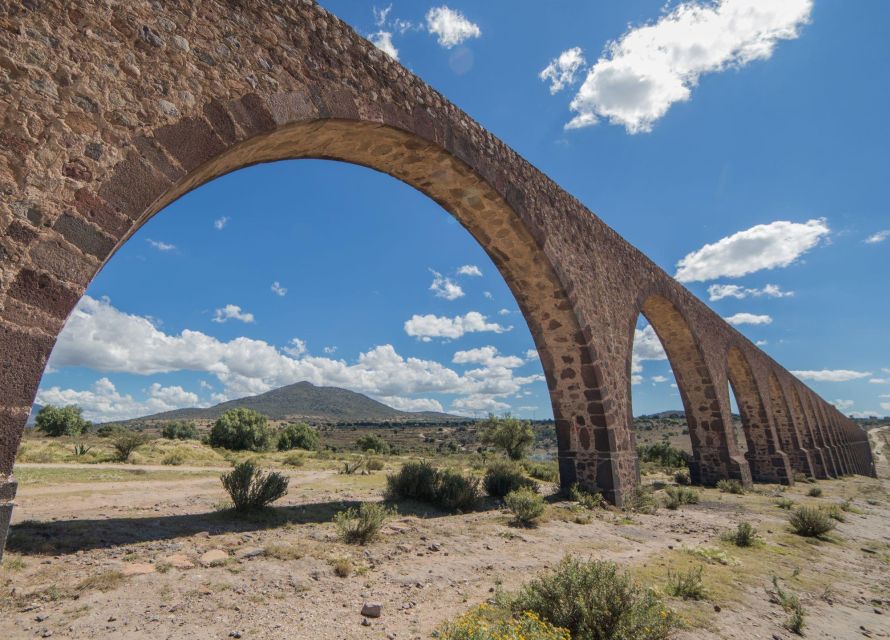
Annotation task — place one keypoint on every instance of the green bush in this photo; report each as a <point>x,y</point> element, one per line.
<point>587,499</point>
<point>126,442</point>
<point>815,492</point>
<point>792,606</point>
<point>731,486</point>
<point>663,454</point>
<point>375,464</point>
<point>361,525</point>
<point>525,504</point>
<point>241,429</point>
<point>676,496</point>
<point>179,430</point>
<point>423,482</point>
<point>250,488</point>
<point>593,600</point>
<point>298,435</point>
<point>641,500</point>
<point>810,522</point>
<point>682,478</point>
<point>512,436</point>
<point>478,625</point>
<point>785,503</point>
<point>686,584</point>
<point>543,471</point>
<point>456,492</point>
<point>108,430</point>
<point>61,421</point>
<point>294,460</point>
<point>503,477</point>
<point>835,512</point>
<point>174,458</point>
<point>373,442</point>
<point>744,535</point>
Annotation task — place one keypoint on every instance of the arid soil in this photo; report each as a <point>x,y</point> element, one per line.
<point>154,555</point>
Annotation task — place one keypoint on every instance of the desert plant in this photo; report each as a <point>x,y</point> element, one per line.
<point>81,449</point>
<point>686,584</point>
<point>477,625</point>
<point>810,522</point>
<point>179,430</point>
<point>250,488</point>
<point>503,477</point>
<point>731,486</point>
<point>61,421</point>
<point>512,436</point>
<point>455,491</point>
<point>298,435</point>
<point>815,492</point>
<point>682,477</point>
<point>375,464</point>
<point>241,429</point>
<point>174,458</point>
<point>663,454</point>
<point>126,442</point>
<point>342,566</point>
<point>587,499</point>
<point>351,467</point>
<point>676,496</point>
<point>294,460</point>
<point>525,504</point>
<point>594,600</point>
<point>445,488</point>
<point>834,512</point>
<point>791,604</point>
<point>372,442</point>
<point>784,503</point>
<point>361,525</point>
<point>744,535</point>
<point>641,500</point>
<point>544,471</point>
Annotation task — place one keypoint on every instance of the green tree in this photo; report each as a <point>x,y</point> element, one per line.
<point>180,430</point>
<point>298,436</point>
<point>61,421</point>
<point>241,429</point>
<point>372,442</point>
<point>511,435</point>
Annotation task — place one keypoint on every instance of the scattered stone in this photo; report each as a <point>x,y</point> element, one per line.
<point>213,557</point>
<point>180,43</point>
<point>168,108</point>
<point>234,634</point>
<point>250,552</point>
<point>41,617</point>
<point>372,609</point>
<point>366,622</point>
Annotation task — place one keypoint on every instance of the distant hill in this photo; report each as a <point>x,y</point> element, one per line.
<point>305,401</point>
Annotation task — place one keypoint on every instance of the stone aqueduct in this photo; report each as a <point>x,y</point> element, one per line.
<point>111,110</point>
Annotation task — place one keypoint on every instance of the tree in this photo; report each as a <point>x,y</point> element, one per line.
<point>298,436</point>
<point>241,429</point>
<point>61,421</point>
<point>513,436</point>
<point>126,442</point>
<point>373,443</point>
<point>180,430</point>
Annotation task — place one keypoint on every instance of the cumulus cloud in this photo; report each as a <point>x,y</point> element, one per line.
<point>160,246</point>
<point>885,406</point>
<point>880,236</point>
<point>232,312</point>
<point>445,287</point>
<point>879,380</point>
<point>487,356</point>
<point>383,41</point>
<point>450,26</point>
<point>412,404</point>
<point>651,67</point>
<point>504,312</point>
<point>764,246</point>
<point>761,343</point>
<point>832,375</point>
<point>475,404</point>
<point>532,354</point>
<point>488,295</point>
<point>843,405</point>
<point>431,326</point>
<point>469,270</point>
<point>646,346</point>
<point>330,350</point>
<point>278,290</point>
<point>100,337</point>
<point>659,379</point>
<point>103,402</point>
<point>720,291</point>
<point>563,70</point>
<point>748,318</point>
<point>220,223</point>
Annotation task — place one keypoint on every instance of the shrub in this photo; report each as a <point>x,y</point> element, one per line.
<point>544,471</point>
<point>375,464</point>
<point>174,458</point>
<point>512,436</point>
<point>587,499</point>
<point>641,500</point>
<point>731,486</point>
<point>676,496</point>
<point>686,584</point>
<point>815,492</point>
<point>525,504</point>
<point>455,491</point>
<point>503,477</point>
<point>810,522</point>
<point>241,429</point>
<point>475,625</point>
<point>179,430</point>
<point>445,488</point>
<point>663,454</point>
<point>593,600</point>
<point>294,460</point>
<point>342,566</point>
<point>126,442</point>
<point>682,478</point>
<point>250,488</point>
<point>791,604</point>
<point>785,503</point>
<point>61,421</point>
<point>744,535</point>
<point>108,430</point>
<point>361,525</point>
<point>372,442</point>
<point>834,512</point>
<point>298,435</point>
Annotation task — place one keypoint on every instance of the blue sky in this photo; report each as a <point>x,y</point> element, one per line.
<point>741,145</point>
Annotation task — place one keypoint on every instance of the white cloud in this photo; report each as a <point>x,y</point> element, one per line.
<point>885,406</point>
<point>761,343</point>
<point>748,318</point>
<point>330,350</point>
<point>659,379</point>
<point>232,312</point>
<point>383,41</point>
<point>469,270</point>
<point>843,405</point>
<point>531,354</point>
<point>720,291</point>
<point>278,290</point>
<point>380,15</point>
<point>160,246</point>
<point>884,395</point>
<point>220,223</point>
<point>474,404</point>
<point>880,236</point>
<point>411,404</point>
<point>104,402</point>
<point>450,26</point>
<point>504,312</point>
<point>445,287</point>
<point>488,295</point>
<point>832,375</point>
<point>487,356</point>
<point>562,71</point>
<point>653,66</point>
<point>100,337</point>
<point>764,246</point>
<point>432,326</point>
<point>205,385</point>
<point>879,381</point>
<point>646,346</point>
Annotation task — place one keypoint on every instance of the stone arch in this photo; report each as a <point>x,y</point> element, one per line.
<point>714,454</point>
<point>767,461</point>
<point>806,431</point>
<point>818,429</point>
<point>786,429</point>
<point>831,435</point>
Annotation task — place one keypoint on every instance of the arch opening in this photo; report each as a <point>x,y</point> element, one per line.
<point>787,430</point>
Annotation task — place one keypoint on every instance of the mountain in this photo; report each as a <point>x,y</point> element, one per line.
<point>305,401</point>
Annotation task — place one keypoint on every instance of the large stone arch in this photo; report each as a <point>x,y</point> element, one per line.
<point>805,429</point>
<point>818,426</point>
<point>789,437</point>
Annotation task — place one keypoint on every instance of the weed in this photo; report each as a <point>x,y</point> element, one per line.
<point>744,535</point>
<point>361,525</point>
<point>791,604</point>
<point>785,503</point>
<point>815,492</point>
<point>342,566</point>
<point>587,499</point>
<point>504,477</point>
<point>686,584</point>
<point>810,522</point>
<point>525,504</point>
<point>676,496</point>
<point>478,624</point>
<point>731,486</point>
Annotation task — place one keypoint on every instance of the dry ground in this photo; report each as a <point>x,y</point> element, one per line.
<point>104,551</point>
